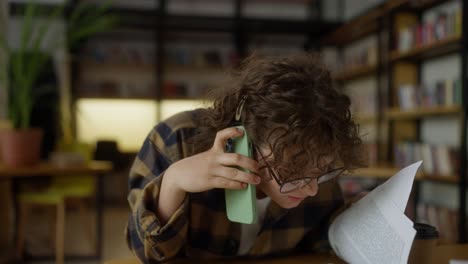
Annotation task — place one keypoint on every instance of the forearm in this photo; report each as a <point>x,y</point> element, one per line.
<point>170,197</point>
<point>147,236</point>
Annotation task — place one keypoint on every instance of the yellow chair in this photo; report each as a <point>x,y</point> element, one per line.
<point>122,261</point>
<point>61,189</point>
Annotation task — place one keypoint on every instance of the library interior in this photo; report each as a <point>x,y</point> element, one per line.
<point>87,88</point>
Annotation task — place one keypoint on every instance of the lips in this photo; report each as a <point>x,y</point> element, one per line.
<point>294,198</point>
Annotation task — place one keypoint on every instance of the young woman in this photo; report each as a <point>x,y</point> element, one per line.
<point>303,138</point>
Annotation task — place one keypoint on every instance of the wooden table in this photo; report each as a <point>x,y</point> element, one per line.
<point>98,168</point>
<point>441,255</point>
<point>444,253</point>
<point>306,259</point>
<point>48,169</point>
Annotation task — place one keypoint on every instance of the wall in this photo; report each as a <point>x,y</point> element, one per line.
<point>444,129</point>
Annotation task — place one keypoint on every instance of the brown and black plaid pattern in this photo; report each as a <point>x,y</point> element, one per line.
<point>200,228</point>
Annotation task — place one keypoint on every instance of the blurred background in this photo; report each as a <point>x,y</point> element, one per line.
<point>96,76</point>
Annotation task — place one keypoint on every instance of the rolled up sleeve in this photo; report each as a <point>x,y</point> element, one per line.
<point>146,236</point>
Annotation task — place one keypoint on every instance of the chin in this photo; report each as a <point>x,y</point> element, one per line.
<point>288,205</point>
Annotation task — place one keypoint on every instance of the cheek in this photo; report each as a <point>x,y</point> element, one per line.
<point>271,188</point>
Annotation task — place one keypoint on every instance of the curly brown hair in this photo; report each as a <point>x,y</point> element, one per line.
<point>293,108</point>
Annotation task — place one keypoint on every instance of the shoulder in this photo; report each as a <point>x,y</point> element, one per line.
<point>182,121</point>
<point>172,135</point>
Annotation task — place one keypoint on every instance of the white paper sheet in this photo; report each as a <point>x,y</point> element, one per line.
<point>456,261</point>
<point>375,229</point>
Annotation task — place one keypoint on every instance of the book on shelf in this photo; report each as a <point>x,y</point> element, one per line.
<point>172,88</point>
<point>190,57</point>
<point>117,88</point>
<point>443,218</point>
<point>439,160</point>
<point>442,25</point>
<point>428,95</point>
<point>362,56</point>
<point>407,96</point>
<point>364,102</point>
<point>119,53</point>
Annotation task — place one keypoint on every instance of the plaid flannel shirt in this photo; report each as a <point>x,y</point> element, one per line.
<point>199,228</point>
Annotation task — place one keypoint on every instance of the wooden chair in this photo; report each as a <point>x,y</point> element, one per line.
<point>123,261</point>
<point>77,188</point>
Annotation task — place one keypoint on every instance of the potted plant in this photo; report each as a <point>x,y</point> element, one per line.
<point>26,64</point>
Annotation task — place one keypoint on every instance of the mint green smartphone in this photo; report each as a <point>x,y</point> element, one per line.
<point>241,204</point>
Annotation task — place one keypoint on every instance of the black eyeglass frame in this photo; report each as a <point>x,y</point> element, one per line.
<point>306,180</point>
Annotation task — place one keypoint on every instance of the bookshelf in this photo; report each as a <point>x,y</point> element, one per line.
<point>398,114</point>
<point>385,172</point>
<point>354,73</point>
<point>437,48</point>
<point>416,35</point>
<point>365,118</point>
<point>171,65</point>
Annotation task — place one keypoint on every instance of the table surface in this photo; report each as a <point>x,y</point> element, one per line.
<point>441,255</point>
<point>307,259</point>
<point>46,168</point>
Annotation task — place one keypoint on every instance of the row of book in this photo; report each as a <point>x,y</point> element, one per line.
<point>441,93</point>
<point>117,89</point>
<point>371,150</point>
<point>363,102</point>
<point>351,186</point>
<point>200,57</point>
<point>141,89</point>
<point>438,160</point>
<point>364,56</point>
<point>185,89</point>
<point>120,53</point>
<point>438,27</point>
<point>444,219</point>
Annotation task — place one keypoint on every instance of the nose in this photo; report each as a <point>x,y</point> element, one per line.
<point>310,189</point>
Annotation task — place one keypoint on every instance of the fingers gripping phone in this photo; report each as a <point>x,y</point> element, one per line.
<point>241,204</point>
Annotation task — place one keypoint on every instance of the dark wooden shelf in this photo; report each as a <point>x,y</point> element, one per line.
<point>355,73</point>
<point>365,118</point>
<point>368,22</point>
<point>374,172</point>
<point>438,48</point>
<point>413,5</point>
<point>385,172</point>
<point>357,28</point>
<point>315,28</point>
<point>90,96</point>
<point>441,178</point>
<point>199,23</point>
<point>180,98</point>
<point>398,114</point>
<point>249,25</point>
<point>91,65</point>
<point>195,69</point>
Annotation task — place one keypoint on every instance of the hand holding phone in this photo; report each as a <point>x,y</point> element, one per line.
<point>241,204</point>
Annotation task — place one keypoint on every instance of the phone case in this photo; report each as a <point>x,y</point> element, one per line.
<point>241,204</point>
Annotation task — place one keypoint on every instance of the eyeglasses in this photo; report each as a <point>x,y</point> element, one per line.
<point>294,184</point>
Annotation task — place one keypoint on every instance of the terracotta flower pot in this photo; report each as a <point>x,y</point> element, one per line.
<point>21,147</point>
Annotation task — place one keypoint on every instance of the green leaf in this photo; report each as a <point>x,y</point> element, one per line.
<point>99,25</point>
<point>88,20</point>
<point>3,76</point>
<point>27,27</point>
<point>77,12</point>
<point>4,43</point>
<point>45,27</point>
